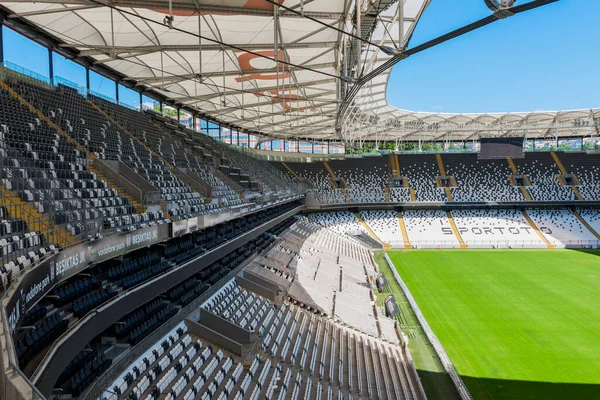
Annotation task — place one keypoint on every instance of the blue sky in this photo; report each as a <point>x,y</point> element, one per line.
<point>545,59</point>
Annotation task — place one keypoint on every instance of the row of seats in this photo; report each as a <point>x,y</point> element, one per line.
<point>47,168</point>
<point>137,325</point>
<point>477,180</point>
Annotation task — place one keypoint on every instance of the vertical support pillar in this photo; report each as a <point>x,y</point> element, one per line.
<point>87,80</point>
<point>401,24</point>
<point>117,91</point>
<point>178,115</point>
<point>50,67</point>
<point>141,109</point>
<point>359,34</point>
<point>1,43</point>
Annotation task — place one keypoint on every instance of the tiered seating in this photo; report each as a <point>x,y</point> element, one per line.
<point>24,255</point>
<point>15,236</point>
<point>31,341</point>
<point>248,172</point>
<point>76,116</point>
<point>297,346</point>
<point>320,181</point>
<point>330,268</point>
<point>91,300</point>
<point>366,179</point>
<point>587,169</point>
<point>140,368</point>
<point>181,200</point>
<point>562,228</point>
<point>496,228</point>
<point>543,171</point>
<point>429,228</point>
<point>384,224</point>
<point>480,180</point>
<point>343,222</point>
<point>421,171</point>
<point>592,217</point>
<point>169,147</point>
<point>239,306</point>
<point>399,195</point>
<point>44,168</point>
<point>137,325</point>
<point>315,347</point>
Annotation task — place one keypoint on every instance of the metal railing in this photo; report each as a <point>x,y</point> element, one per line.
<point>437,346</point>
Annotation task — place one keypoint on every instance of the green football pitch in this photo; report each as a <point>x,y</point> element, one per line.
<point>517,324</point>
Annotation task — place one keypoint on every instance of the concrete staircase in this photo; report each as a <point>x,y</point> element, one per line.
<point>405,238</point>
<point>561,179</point>
<point>440,164</point>
<point>537,230</point>
<point>369,230</point>
<point>514,170</point>
<point>462,243</point>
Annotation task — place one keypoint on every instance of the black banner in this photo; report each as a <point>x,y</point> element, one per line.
<point>391,307</point>
<point>38,281</point>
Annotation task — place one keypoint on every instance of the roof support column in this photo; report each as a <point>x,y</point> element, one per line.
<point>276,44</point>
<point>50,67</point>
<point>87,80</point>
<point>117,91</point>
<point>200,44</point>
<point>359,34</point>
<point>401,24</point>
<point>1,43</point>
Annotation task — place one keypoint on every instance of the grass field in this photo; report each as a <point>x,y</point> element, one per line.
<point>516,324</point>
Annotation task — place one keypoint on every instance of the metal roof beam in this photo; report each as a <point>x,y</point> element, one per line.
<point>251,106</point>
<point>183,5</point>
<point>319,105</point>
<point>178,78</point>
<point>51,11</point>
<point>94,50</point>
<point>252,91</point>
<point>306,117</point>
<point>207,8</point>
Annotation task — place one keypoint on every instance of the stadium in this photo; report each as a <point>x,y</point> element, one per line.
<point>215,200</point>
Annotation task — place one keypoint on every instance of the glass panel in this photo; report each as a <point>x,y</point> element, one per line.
<point>25,54</point>
<point>129,98</point>
<point>102,87</point>
<point>149,103</point>
<point>69,73</point>
<point>186,119</point>
<point>169,112</point>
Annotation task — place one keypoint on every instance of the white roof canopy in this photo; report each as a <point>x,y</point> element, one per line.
<point>222,62</point>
